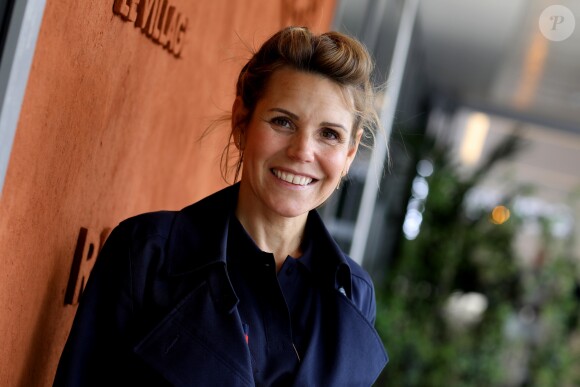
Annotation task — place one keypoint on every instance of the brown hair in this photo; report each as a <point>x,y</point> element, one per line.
<point>334,55</point>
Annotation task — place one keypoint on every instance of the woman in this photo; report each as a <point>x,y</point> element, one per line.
<point>246,287</point>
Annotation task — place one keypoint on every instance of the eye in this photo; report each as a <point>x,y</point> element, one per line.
<point>283,122</point>
<point>330,134</point>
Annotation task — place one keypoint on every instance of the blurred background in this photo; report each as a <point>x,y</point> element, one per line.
<point>469,225</point>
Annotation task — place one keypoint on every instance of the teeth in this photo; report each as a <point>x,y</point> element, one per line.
<point>291,178</point>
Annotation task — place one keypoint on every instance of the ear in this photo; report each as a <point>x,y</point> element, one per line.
<point>352,149</point>
<point>239,122</point>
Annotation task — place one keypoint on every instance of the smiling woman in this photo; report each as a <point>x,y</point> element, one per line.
<point>246,287</point>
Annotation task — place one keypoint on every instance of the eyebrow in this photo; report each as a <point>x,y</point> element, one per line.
<point>295,117</point>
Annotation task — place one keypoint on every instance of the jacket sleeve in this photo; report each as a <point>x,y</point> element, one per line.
<point>96,351</point>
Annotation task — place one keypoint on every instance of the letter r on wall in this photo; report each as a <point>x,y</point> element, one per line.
<point>84,259</point>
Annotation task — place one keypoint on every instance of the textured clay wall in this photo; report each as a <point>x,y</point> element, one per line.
<point>109,128</point>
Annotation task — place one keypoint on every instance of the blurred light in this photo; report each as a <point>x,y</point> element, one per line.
<point>465,309</point>
<point>533,71</point>
<point>500,215</point>
<point>425,168</point>
<point>563,227</point>
<point>474,138</point>
<point>412,224</point>
<point>416,204</point>
<point>420,187</point>
<point>562,223</point>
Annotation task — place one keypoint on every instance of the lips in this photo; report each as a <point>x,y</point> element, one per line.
<point>292,178</point>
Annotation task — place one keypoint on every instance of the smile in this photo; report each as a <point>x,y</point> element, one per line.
<point>291,178</point>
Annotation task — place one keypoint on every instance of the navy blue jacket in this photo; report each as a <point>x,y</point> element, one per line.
<point>159,310</point>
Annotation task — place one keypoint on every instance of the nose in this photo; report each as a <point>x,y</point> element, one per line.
<point>301,147</point>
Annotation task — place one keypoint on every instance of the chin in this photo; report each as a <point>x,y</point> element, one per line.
<point>289,206</point>
<point>290,211</point>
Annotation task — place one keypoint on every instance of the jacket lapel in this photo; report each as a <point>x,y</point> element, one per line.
<point>200,342</point>
<point>345,349</point>
<point>199,233</point>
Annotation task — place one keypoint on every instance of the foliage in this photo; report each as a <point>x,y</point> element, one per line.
<point>462,251</point>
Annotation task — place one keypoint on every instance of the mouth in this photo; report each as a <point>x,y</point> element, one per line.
<point>292,178</point>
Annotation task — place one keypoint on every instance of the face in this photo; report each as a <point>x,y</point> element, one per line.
<point>297,144</point>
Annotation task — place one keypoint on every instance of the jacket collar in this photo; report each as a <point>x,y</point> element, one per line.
<point>199,237</point>
<point>200,232</point>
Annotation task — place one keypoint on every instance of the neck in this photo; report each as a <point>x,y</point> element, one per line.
<point>273,233</point>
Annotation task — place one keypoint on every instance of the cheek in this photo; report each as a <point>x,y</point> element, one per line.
<point>256,139</point>
<point>333,163</point>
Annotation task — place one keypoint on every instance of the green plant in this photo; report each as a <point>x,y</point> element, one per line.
<point>461,250</point>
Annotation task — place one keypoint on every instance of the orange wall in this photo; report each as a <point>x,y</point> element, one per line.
<point>108,129</point>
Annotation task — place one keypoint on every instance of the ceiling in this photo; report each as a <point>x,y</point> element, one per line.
<point>492,56</point>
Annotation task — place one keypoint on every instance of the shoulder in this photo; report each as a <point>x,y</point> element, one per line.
<point>162,223</point>
<point>363,292</point>
<point>358,274</point>
<point>148,224</point>
<point>134,244</point>
<point>169,239</point>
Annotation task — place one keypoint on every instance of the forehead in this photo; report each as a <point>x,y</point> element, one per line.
<point>308,91</point>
